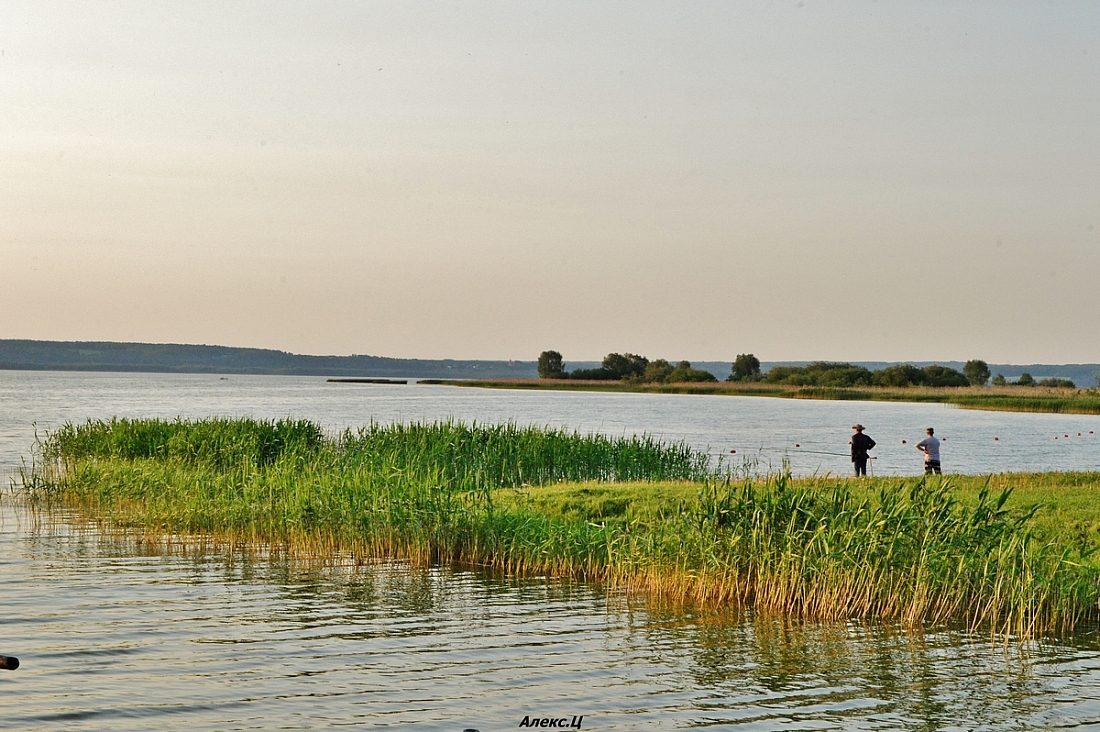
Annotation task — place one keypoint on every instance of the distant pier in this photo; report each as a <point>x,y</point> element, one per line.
<point>369,381</point>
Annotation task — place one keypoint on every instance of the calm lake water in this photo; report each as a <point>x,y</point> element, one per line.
<point>762,431</point>
<point>116,634</point>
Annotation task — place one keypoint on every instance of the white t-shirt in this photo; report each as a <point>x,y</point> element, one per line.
<point>931,447</point>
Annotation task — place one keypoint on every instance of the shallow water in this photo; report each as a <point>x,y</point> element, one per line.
<point>113,634</point>
<point>117,634</point>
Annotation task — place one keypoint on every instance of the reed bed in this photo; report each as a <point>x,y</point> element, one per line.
<point>449,492</point>
<point>465,457</point>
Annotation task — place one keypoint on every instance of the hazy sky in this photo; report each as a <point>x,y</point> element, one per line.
<point>844,181</point>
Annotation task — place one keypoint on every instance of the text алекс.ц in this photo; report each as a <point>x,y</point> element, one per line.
<point>555,722</point>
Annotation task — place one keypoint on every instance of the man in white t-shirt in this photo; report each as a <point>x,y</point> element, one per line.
<point>930,446</point>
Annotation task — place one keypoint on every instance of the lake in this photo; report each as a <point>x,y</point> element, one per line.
<point>812,436</point>
<point>117,633</point>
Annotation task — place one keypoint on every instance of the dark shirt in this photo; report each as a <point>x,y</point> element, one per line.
<point>861,443</point>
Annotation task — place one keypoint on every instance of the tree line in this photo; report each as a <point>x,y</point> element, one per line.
<point>633,368</point>
<point>1027,379</point>
<point>824,373</point>
<point>628,367</point>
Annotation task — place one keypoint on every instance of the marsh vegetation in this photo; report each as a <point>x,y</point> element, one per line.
<point>631,512</point>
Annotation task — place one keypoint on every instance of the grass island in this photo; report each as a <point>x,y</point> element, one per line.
<point>1012,553</point>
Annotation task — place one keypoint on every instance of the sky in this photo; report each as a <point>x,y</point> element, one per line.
<point>798,180</point>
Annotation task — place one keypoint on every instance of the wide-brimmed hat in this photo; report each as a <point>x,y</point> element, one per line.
<point>857,427</point>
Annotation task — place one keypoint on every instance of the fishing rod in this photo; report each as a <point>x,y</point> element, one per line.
<point>838,454</point>
<point>818,452</point>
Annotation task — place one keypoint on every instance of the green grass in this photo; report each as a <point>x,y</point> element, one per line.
<point>1009,553</point>
<point>1066,505</point>
<point>1003,399</point>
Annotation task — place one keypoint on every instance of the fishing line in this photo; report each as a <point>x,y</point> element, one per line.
<point>820,452</point>
<point>838,454</point>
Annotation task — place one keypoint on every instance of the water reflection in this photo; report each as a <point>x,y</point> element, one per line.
<point>127,634</point>
<point>772,673</point>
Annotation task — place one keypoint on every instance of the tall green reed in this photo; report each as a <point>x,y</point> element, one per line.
<point>483,457</point>
<point>913,553</point>
<point>222,442</point>
<point>426,492</point>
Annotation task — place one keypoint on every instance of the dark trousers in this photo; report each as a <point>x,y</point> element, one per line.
<point>861,465</point>
<point>932,466</point>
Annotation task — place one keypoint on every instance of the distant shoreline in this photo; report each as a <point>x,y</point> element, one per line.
<point>181,358</point>
<point>998,399</point>
<point>177,358</point>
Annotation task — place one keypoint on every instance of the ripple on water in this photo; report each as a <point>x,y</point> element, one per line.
<point>115,634</point>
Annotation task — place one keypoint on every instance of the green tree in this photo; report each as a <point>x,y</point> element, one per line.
<point>615,366</point>
<point>625,365</point>
<point>684,373</point>
<point>820,373</point>
<point>1025,379</point>
<point>746,367</point>
<point>657,371</point>
<point>976,372</point>
<point>600,374</point>
<point>999,380</point>
<point>1058,383</point>
<point>550,365</point>
<point>903,374</point>
<point>944,376</point>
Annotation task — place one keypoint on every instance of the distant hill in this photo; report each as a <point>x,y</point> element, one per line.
<point>178,358</point>
<point>181,358</point>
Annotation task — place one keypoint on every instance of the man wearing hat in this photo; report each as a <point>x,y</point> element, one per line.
<point>860,443</point>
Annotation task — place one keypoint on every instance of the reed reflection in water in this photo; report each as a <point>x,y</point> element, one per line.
<point>116,633</point>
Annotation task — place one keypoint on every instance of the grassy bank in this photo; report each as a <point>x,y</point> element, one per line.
<point>632,513</point>
<point>1003,399</point>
